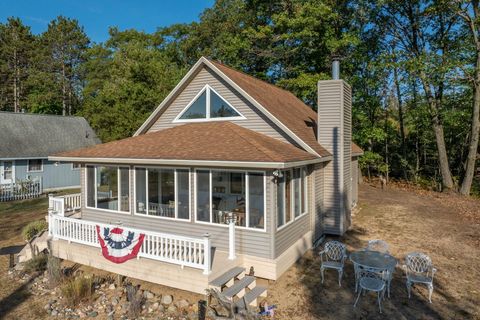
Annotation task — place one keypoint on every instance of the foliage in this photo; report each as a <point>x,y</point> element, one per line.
<point>34,228</point>
<point>411,65</point>
<point>78,289</point>
<point>36,264</point>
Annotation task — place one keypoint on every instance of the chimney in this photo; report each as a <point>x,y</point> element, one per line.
<point>335,134</point>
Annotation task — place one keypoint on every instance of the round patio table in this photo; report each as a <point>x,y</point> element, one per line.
<point>374,259</point>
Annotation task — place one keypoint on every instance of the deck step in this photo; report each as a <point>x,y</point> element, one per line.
<point>222,280</point>
<point>250,298</point>
<point>238,289</point>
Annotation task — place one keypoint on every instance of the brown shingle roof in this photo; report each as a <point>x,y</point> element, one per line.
<point>282,104</point>
<point>356,150</point>
<point>216,141</point>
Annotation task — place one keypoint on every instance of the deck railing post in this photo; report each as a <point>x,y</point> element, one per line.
<point>207,247</point>
<point>231,238</point>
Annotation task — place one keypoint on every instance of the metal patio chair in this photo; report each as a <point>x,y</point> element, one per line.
<point>377,245</point>
<point>419,269</point>
<point>374,280</point>
<point>333,257</point>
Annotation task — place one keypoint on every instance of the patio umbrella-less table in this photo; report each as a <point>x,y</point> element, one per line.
<point>374,260</point>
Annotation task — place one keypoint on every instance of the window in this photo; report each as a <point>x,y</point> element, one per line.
<point>76,166</point>
<point>35,165</point>
<point>108,188</point>
<point>220,193</point>
<point>291,195</point>
<point>167,192</point>
<point>208,105</point>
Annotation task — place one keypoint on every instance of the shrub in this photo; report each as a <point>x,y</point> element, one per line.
<point>37,263</point>
<point>78,289</point>
<point>54,270</point>
<point>34,228</point>
<point>136,300</point>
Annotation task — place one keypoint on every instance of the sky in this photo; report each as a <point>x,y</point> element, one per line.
<point>96,16</point>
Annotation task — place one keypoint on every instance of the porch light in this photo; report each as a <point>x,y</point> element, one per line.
<point>277,173</point>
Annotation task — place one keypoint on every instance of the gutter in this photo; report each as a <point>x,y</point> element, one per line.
<point>204,163</point>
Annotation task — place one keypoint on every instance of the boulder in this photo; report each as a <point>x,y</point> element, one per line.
<point>167,299</point>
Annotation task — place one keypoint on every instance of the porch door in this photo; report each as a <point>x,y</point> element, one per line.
<point>6,172</point>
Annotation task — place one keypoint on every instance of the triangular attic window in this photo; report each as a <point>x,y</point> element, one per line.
<point>208,105</point>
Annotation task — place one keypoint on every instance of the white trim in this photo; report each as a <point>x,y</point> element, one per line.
<point>262,109</point>
<point>34,171</point>
<point>207,89</point>
<point>193,163</point>
<point>94,166</point>
<point>176,218</point>
<point>22,158</point>
<point>247,204</point>
<point>2,167</point>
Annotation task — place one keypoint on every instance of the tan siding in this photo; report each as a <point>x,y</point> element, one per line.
<point>329,131</point>
<point>255,243</point>
<point>347,154</point>
<point>355,180</point>
<point>319,180</point>
<point>255,121</point>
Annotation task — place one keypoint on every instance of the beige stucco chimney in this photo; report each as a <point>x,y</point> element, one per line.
<point>335,134</point>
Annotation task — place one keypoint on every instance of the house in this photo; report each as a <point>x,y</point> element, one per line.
<point>26,141</point>
<point>228,173</point>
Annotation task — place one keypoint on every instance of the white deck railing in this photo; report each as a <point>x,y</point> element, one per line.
<point>66,203</point>
<point>184,251</point>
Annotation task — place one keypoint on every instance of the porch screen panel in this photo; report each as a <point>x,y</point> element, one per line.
<point>140,190</point>
<point>228,195</point>
<point>183,194</point>
<point>256,199</point>
<point>90,186</point>
<point>124,189</point>
<point>107,188</point>
<point>203,195</point>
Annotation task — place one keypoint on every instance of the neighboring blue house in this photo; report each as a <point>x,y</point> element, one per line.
<point>27,139</point>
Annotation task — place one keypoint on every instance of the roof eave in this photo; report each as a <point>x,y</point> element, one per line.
<point>199,163</point>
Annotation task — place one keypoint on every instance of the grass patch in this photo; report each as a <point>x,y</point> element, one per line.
<point>38,263</point>
<point>78,289</point>
<point>34,228</point>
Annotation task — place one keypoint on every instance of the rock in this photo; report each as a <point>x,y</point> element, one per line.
<point>48,306</point>
<point>155,306</point>
<point>182,304</point>
<point>81,314</point>
<point>114,301</point>
<point>161,308</point>
<point>172,309</point>
<point>93,314</point>
<point>167,299</point>
<point>150,310</point>
<point>111,286</point>
<point>148,295</point>
<point>54,313</point>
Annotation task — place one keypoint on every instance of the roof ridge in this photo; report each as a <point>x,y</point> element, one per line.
<point>258,146</point>
<point>41,114</point>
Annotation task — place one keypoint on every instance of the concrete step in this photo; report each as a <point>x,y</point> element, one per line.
<point>239,288</point>
<point>228,278</point>
<point>251,297</point>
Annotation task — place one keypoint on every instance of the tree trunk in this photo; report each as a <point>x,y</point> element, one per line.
<point>475,128</point>
<point>400,120</point>
<point>447,179</point>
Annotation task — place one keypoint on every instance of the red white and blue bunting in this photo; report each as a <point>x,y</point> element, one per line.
<point>119,245</point>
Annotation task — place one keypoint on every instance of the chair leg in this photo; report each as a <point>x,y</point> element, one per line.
<point>340,274</point>
<point>388,288</point>
<point>379,301</point>
<point>358,297</point>
<point>322,269</point>
<point>409,288</point>
<point>430,291</point>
